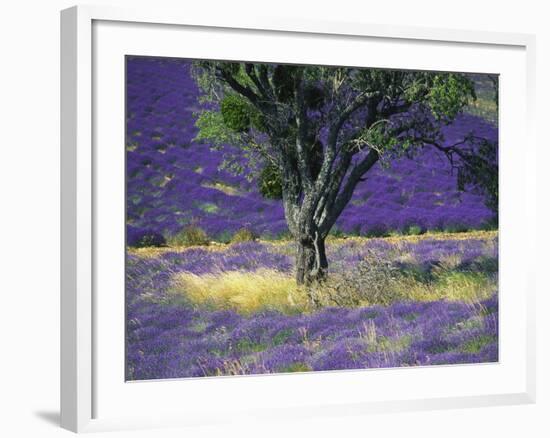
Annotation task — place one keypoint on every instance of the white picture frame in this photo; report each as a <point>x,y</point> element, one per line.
<point>87,34</point>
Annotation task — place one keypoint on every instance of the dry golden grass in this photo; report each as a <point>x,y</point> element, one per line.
<point>245,292</point>
<point>476,234</point>
<point>265,289</point>
<point>222,187</point>
<point>217,246</point>
<point>249,292</point>
<point>469,287</point>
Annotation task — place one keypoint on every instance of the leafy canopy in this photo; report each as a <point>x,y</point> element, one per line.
<point>316,130</point>
<point>409,104</point>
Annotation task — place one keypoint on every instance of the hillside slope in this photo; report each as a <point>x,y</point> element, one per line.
<point>173,181</point>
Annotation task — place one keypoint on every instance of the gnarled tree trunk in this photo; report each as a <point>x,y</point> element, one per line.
<point>311,260</point>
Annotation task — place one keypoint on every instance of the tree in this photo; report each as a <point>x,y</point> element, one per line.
<point>323,129</point>
<point>477,166</point>
<point>476,159</point>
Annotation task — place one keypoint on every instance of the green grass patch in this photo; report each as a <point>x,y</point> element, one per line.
<point>199,326</point>
<point>473,323</point>
<point>190,235</point>
<point>222,187</point>
<point>410,317</point>
<point>282,337</point>
<point>475,345</point>
<point>248,346</point>
<point>298,367</point>
<point>209,207</point>
<point>385,344</point>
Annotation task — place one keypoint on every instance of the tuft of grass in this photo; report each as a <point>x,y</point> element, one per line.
<point>282,336</point>
<point>222,187</point>
<point>464,286</point>
<point>189,236</point>
<point>485,108</point>
<point>297,367</point>
<point>199,326</point>
<point>131,146</point>
<point>470,287</point>
<point>247,346</point>
<point>377,280</point>
<point>224,237</point>
<point>385,344</point>
<point>473,323</point>
<point>475,344</point>
<point>244,292</point>
<point>244,235</point>
<point>209,207</point>
<point>414,230</point>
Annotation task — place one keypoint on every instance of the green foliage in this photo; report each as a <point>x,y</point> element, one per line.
<point>149,240</point>
<point>191,235</point>
<point>239,115</point>
<point>244,235</point>
<point>208,207</point>
<point>282,336</point>
<point>235,112</point>
<point>475,344</point>
<point>212,128</point>
<point>448,94</point>
<point>414,230</point>
<point>224,237</point>
<point>480,168</point>
<point>314,97</point>
<point>283,82</point>
<point>297,367</point>
<point>254,107</point>
<point>456,228</point>
<point>380,139</point>
<point>336,232</point>
<point>257,120</point>
<point>270,183</point>
<point>246,345</point>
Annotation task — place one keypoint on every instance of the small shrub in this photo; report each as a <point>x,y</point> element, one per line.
<point>244,235</point>
<point>336,232</point>
<point>140,238</point>
<point>235,112</point>
<point>456,228</point>
<point>376,230</point>
<point>224,237</point>
<point>415,230</point>
<point>491,224</point>
<point>284,235</point>
<point>373,281</point>
<point>191,235</point>
<point>270,183</point>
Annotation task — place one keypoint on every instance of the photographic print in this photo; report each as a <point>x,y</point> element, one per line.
<point>298,218</point>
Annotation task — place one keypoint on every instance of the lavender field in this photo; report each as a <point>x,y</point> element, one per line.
<point>173,181</point>
<point>443,309</point>
<point>410,270</point>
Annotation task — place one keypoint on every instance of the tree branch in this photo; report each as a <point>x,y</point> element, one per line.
<point>345,195</point>
<point>301,137</point>
<point>250,70</point>
<point>239,88</point>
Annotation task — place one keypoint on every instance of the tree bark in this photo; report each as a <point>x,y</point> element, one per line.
<point>311,260</point>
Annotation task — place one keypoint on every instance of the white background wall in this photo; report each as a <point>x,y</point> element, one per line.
<point>29,217</point>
